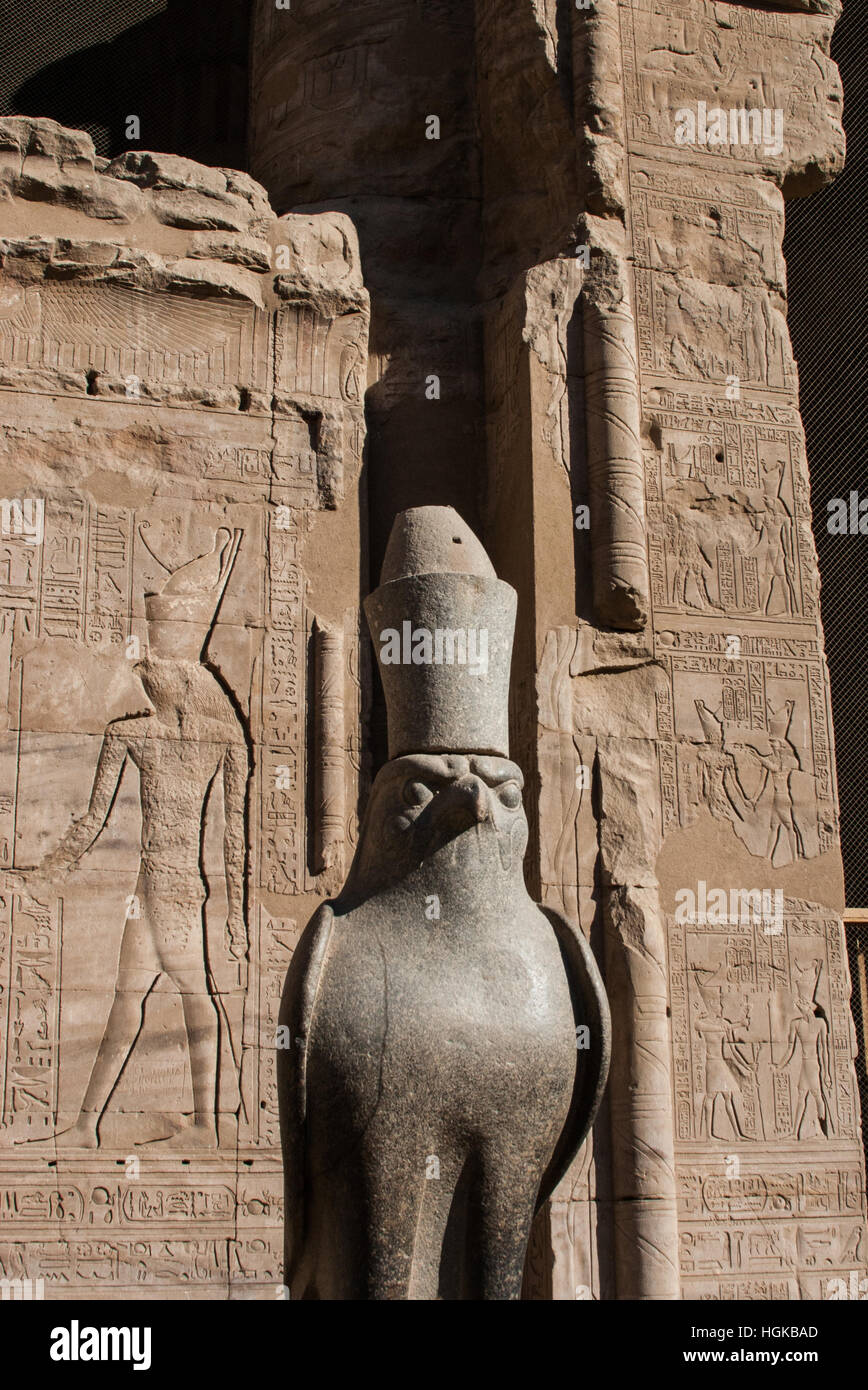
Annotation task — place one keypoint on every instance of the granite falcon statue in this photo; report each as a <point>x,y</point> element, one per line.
<point>448,1039</point>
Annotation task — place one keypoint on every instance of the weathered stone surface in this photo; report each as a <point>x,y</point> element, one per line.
<point>704,759</point>
<point>27,136</point>
<point>341,121</point>
<point>167,561</point>
<point>571,226</point>
<point>240,250</point>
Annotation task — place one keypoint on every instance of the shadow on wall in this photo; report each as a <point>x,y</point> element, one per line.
<point>182,71</point>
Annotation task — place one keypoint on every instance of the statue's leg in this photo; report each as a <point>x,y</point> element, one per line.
<point>398,1256</point>
<point>439,1242</point>
<point>506,1197</point>
<point>332,1252</point>
<point>359,1223</point>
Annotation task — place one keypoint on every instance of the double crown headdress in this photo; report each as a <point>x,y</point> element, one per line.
<point>180,616</point>
<point>442,624</point>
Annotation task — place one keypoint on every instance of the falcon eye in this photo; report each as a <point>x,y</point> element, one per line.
<point>417,794</point>
<point>510,795</point>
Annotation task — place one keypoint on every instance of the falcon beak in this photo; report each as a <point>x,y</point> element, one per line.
<point>469,792</point>
<point>459,807</point>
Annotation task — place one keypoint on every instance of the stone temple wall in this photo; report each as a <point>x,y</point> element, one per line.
<point>643,394</point>
<point>584,253</point>
<point>182,377</point>
<point>646,492</point>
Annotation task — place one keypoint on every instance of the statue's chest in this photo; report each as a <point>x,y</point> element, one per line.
<point>470,1006</point>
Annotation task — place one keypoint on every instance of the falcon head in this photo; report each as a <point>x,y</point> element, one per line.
<point>466,805</point>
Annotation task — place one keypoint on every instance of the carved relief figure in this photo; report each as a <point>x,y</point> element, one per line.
<point>690,56</point>
<point>779,765</point>
<point>691,567</point>
<point>809,1032</point>
<point>774,546</point>
<point>191,738</point>
<point>724,1064</point>
<point>722,790</point>
<point>764,819</point>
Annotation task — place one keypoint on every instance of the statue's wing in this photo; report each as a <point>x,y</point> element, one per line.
<point>591,1009</point>
<point>296,1015</point>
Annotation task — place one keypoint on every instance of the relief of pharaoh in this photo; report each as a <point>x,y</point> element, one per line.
<point>192,737</point>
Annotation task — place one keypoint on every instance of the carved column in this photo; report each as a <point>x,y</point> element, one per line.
<point>330,808</point>
<point>616,478</point>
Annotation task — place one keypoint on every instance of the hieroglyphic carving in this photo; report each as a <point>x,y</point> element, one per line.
<point>122,332</point>
<point>679,54</point>
<point>109,589</point>
<point>76,583</point>
<point>704,332</point>
<point>64,572</point>
<point>618,864</point>
<point>93,1264</point>
<point>740,719</point>
<point>730,533</point>
<point>142,496</point>
<point>282,766</point>
<point>748,715</point>
<point>763,1044</point>
<point>679,227</point>
<point>743,721</point>
<point>771,1230</point>
<point>762,1036</point>
<point>318,355</point>
<point>273,945</point>
<point>30,947</point>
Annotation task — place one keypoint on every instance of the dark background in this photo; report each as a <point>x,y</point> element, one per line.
<point>826,247</point>
<point>181,66</point>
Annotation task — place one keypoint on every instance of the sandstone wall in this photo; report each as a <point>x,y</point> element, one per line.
<point>182,375</point>
<point>695,748</point>
<point>369,108</point>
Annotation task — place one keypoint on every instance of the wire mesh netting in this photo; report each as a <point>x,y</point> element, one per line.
<point>180,66</point>
<point>825,249</point>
